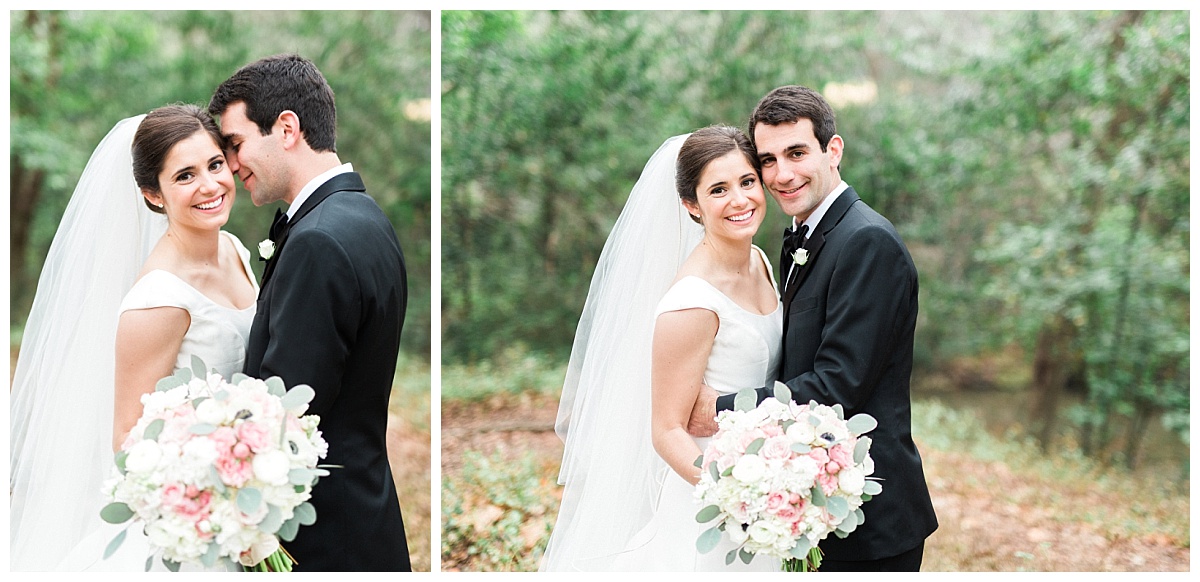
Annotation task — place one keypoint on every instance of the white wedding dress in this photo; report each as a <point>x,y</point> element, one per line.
<point>745,354</point>
<point>217,335</point>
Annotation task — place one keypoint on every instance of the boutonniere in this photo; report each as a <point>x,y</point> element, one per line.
<point>266,249</point>
<point>800,257</point>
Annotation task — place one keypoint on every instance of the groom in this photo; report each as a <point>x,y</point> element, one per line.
<point>850,309</point>
<point>331,306</point>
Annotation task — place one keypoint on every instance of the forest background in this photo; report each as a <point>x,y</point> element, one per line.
<point>1037,165</point>
<point>73,75</point>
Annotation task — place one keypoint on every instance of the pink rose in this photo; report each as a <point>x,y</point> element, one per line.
<point>223,438</point>
<point>775,501</point>
<point>821,456</point>
<point>777,447</point>
<point>255,435</point>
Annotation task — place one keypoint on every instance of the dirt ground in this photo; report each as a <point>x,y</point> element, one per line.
<point>991,518</point>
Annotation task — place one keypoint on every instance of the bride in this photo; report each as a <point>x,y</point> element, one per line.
<point>138,279</point>
<point>672,306</point>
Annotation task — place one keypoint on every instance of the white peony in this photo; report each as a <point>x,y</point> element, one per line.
<point>851,480</point>
<point>272,467</point>
<point>749,469</point>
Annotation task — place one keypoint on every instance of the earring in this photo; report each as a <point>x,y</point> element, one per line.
<point>160,205</point>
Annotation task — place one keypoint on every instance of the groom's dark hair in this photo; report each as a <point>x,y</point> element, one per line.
<point>791,103</point>
<point>279,83</point>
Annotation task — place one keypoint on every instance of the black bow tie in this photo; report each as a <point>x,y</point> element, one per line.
<point>279,227</point>
<point>793,239</point>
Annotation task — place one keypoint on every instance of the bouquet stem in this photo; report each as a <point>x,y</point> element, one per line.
<point>279,561</point>
<point>809,564</point>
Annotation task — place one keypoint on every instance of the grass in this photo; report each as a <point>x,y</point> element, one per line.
<point>409,453</point>
<point>1002,504</point>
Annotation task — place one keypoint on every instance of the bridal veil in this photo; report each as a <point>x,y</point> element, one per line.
<point>610,471</point>
<point>61,401</point>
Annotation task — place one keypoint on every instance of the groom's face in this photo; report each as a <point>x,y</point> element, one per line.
<point>799,175</point>
<point>255,158</point>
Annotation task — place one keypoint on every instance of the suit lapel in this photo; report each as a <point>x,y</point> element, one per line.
<point>816,242</point>
<point>349,181</point>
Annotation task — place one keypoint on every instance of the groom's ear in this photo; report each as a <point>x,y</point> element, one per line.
<point>289,124</point>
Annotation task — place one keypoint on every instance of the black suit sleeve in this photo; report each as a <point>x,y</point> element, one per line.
<point>314,317</point>
<point>869,293</point>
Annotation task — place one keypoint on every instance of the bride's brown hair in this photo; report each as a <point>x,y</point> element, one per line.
<point>158,133</point>
<point>704,146</point>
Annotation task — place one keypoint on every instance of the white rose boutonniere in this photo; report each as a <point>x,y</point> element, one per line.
<point>800,257</point>
<point>266,249</point>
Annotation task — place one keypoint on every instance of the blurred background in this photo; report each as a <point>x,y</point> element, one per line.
<point>1036,164</point>
<point>73,75</point>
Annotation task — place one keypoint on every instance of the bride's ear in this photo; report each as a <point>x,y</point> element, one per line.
<point>692,209</point>
<point>154,200</point>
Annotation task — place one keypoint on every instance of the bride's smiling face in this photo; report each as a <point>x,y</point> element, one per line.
<point>729,197</point>
<point>196,188</point>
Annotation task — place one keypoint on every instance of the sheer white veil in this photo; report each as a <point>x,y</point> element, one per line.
<point>61,401</point>
<point>611,473</point>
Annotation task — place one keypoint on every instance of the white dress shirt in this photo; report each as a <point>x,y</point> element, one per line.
<point>312,186</point>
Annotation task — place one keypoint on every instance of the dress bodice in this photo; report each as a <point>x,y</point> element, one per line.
<point>217,333</point>
<point>747,347</point>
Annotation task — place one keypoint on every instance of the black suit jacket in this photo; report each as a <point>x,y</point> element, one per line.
<point>330,311</point>
<point>848,339</point>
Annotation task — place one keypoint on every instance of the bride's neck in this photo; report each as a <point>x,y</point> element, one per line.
<point>196,248</point>
<point>728,256</point>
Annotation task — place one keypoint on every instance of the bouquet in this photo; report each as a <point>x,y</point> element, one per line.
<point>780,477</point>
<point>218,470</point>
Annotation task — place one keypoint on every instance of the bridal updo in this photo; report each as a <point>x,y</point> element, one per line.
<point>700,148</point>
<point>158,133</point>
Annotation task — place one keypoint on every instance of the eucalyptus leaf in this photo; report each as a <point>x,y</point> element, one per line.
<point>782,392</point>
<point>755,445</point>
<point>709,513</point>
<point>287,531</point>
<point>154,429</point>
<point>249,500</point>
<point>270,524</point>
<point>699,462</point>
<point>848,525</point>
<point>275,386</point>
<point>199,371</point>
<point>861,448</point>
<point>872,488</point>
<point>216,479</point>
<point>116,542</point>
<point>116,512</point>
<point>209,559</point>
<point>800,448</point>
<point>818,496</point>
<point>708,540</point>
<point>197,400</point>
<point>814,420</point>
<point>119,460</point>
<point>745,555</point>
<point>861,424</point>
<point>221,395</point>
<point>841,413</point>
<point>149,562</point>
<point>202,428</point>
<point>859,516</point>
<point>800,550</point>
<point>170,564</point>
<point>840,534</point>
<point>184,374</point>
<point>837,507</point>
<point>786,424</point>
<point>712,472</point>
<point>299,395</point>
<point>301,476</point>
<point>727,472</point>
<point>168,383</point>
<point>238,378</point>
<point>746,400</point>
<point>306,513</point>
<point>730,556</point>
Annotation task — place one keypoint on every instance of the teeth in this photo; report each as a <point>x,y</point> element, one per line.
<point>742,216</point>
<point>211,205</point>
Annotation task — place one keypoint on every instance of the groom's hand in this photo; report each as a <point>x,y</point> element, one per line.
<point>703,422</point>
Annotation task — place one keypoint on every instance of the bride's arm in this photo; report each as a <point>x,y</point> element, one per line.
<point>148,340</point>
<point>683,341</point>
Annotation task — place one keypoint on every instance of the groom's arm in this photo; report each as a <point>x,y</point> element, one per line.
<point>314,316</point>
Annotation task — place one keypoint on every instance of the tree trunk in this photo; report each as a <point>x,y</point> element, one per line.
<point>1053,362</point>
<point>25,188</point>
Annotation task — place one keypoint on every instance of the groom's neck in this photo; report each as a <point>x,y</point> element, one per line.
<point>307,166</point>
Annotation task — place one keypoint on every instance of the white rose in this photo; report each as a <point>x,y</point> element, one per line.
<point>801,432</point>
<point>271,467</point>
<point>749,469</point>
<point>211,412</point>
<point>266,249</point>
<point>851,480</point>
<point>761,533</point>
<point>143,457</point>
